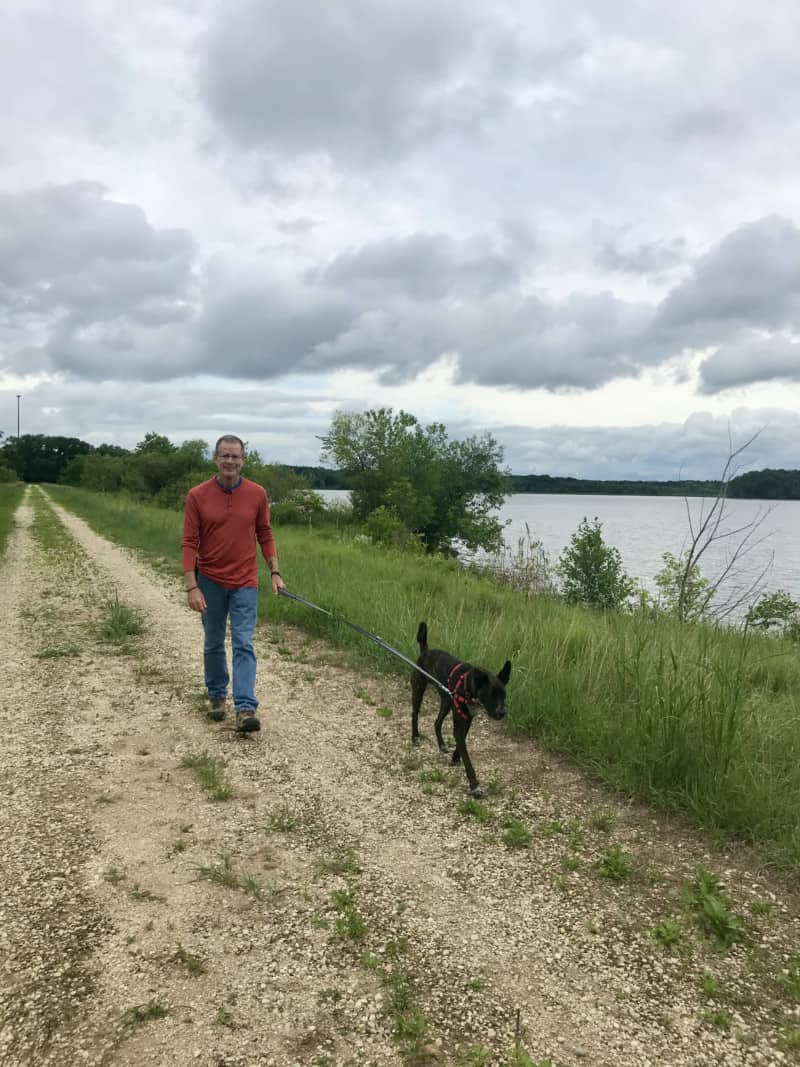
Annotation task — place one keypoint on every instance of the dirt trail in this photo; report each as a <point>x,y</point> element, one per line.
<point>339,909</point>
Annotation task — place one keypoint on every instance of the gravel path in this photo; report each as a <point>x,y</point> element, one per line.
<point>340,908</point>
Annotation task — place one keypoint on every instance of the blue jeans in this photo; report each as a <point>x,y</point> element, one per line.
<point>241,606</point>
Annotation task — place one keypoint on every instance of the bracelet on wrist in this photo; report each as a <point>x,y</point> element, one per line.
<point>192,588</point>
<point>273,573</point>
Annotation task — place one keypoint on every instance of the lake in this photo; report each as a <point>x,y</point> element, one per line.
<point>643,528</point>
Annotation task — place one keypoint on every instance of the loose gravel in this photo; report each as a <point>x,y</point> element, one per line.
<point>343,908</point>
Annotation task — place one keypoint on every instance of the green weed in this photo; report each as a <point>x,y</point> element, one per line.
<point>517,834</point>
<point>668,935</point>
<point>210,773</point>
<point>475,810</point>
<point>712,910</point>
<point>615,864</point>
<point>143,1013</point>
<point>121,622</point>
<point>193,965</point>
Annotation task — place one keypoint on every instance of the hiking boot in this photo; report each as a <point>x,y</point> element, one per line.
<point>216,710</point>
<point>247,722</point>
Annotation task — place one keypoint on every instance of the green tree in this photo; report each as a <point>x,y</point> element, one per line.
<point>683,591</point>
<point>441,491</point>
<point>40,458</point>
<point>776,612</point>
<point>155,442</point>
<point>591,571</point>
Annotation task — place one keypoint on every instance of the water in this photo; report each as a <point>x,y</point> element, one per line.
<point>643,528</point>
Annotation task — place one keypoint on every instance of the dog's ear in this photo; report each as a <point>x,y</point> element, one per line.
<point>505,673</point>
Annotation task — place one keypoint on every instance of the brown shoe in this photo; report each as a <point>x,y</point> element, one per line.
<point>216,710</point>
<point>247,722</point>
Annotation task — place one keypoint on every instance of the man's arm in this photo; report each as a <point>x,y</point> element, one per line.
<point>266,540</point>
<point>189,545</point>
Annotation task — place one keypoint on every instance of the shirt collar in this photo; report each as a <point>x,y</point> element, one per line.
<point>226,488</point>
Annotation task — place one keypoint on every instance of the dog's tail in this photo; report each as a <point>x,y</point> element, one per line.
<point>422,638</point>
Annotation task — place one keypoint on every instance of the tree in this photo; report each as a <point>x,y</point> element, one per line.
<point>706,531</point>
<point>155,442</point>
<point>591,571</point>
<point>39,458</point>
<point>441,491</point>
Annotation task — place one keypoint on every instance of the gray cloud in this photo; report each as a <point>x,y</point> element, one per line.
<point>355,81</point>
<point>89,286</point>
<point>751,358</point>
<point>424,267</point>
<point>698,447</point>
<point>646,257</point>
<point>749,279</point>
<point>706,121</point>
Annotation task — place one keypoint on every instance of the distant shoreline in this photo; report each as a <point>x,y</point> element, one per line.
<point>753,485</point>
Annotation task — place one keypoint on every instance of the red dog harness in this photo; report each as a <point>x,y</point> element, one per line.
<point>458,692</point>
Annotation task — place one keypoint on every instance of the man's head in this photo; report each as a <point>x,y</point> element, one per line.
<point>229,458</point>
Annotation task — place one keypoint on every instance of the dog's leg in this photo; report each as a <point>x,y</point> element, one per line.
<point>444,707</point>
<point>418,685</point>
<point>461,755</point>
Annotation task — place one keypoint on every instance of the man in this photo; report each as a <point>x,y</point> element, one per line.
<point>223,519</point>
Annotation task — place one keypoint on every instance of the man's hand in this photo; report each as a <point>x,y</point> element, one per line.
<point>197,602</point>
<point>277,583</point>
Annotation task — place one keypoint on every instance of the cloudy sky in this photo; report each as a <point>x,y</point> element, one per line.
<point>575,225</point>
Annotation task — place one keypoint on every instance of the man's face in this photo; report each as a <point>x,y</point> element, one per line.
<point>229,461</point>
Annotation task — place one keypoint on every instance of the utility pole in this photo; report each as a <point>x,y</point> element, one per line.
<point>17,455</point>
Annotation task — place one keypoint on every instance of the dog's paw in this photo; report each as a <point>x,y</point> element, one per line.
<point>416,740</point>
<point>477,792</point>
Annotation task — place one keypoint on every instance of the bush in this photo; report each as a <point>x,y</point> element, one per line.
<point>776,613</point>
<point>684,592</point>
<point>591,571</point>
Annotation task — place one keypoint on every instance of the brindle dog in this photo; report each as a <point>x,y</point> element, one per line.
<point>468,688</point>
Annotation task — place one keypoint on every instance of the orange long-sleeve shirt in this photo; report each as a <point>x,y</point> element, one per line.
<point>220,530</point>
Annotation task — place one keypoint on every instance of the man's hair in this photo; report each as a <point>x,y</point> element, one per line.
<point>230,439</point>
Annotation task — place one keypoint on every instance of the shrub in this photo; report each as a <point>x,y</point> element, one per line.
<point>591,571</point>
<point>776,612</point>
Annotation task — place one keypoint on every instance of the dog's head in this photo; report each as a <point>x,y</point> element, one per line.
<point>489,690</point>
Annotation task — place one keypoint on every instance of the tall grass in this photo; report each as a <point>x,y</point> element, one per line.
<point>701,720</point>
<point>10,497</point>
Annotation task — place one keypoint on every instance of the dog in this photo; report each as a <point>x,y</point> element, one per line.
<point>468,688</point>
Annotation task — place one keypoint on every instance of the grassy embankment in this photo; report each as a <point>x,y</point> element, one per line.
<point>702,721</point>
<point>10,496</point>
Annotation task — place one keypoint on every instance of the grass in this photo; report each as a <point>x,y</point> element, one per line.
<point>144,1013</point>
<point>475,810</point>
<point>350,924</point>
<point>790,978</point>
<point>193,965</point>
<point>210,773</point>
<point>669,935</point>
<point>517,834</point>
<point>59,652</point>
<point>10,498</point>
<point>342,861</point>
<point>615,864</point>
<point>712,910</point>
<point>224,875</point>
<point>137,893</point>
<point>687,717</point>
<point>120,623</point>
<point>282,820</point>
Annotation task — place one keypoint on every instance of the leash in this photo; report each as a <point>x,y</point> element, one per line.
<point>370,637</point>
